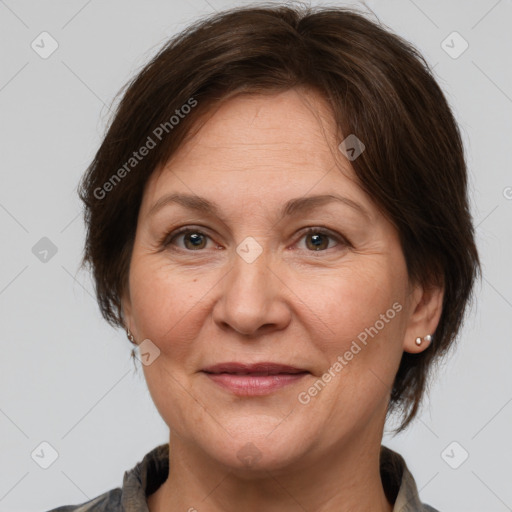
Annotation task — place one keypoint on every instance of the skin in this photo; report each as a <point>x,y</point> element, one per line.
<point>293,304</point>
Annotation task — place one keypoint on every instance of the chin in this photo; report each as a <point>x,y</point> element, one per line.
<point>255,446</point>
<point>254,459</point>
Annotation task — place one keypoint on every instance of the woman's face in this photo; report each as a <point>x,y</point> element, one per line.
<point>247,284</point>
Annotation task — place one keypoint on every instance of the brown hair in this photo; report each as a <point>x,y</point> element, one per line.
<point>379,88</point>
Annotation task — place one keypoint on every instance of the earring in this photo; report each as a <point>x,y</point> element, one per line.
<point>130,336</point>
<point>427,338</point>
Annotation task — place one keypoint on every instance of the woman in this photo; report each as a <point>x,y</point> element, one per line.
<point>278,217</point>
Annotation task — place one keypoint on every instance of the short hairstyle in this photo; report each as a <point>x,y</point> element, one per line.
<point>379,88</point>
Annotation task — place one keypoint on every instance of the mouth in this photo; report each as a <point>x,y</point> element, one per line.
<point>254,379</point>
<point>253,369</point>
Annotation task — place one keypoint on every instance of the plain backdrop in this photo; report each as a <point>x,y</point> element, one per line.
<point>66,377</point>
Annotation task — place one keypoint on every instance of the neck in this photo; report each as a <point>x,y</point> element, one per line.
<point>344,478</point>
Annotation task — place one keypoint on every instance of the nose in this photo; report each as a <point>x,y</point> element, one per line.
<point>253,297</point>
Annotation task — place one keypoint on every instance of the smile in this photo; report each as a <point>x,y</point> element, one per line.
<point>253,379</point>
<point>254,385</point>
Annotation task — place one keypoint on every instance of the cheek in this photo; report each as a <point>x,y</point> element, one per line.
<point>167,310</point>
<point>365,314</point>
<point>163,300</point>
<point>352,303</point>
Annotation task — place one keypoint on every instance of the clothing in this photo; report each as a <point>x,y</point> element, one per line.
<point>149,474</point>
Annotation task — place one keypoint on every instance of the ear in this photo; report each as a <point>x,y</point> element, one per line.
<point>126,307</point>
<point>426,307</point>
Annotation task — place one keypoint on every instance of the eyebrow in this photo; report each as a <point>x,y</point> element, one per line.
<point>290,208</point>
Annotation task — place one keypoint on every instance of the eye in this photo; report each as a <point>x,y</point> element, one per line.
<point>195,240</point>
<point>319,239</point>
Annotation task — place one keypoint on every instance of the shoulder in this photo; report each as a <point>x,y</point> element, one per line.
<point>399,484</point>
<point>138,482</point>
<point>408,499</point>
<point>109,501</point>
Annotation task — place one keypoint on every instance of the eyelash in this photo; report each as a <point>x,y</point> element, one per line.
<point>166,241</point>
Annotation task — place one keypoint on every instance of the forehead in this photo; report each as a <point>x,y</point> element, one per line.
<point>270,146</point>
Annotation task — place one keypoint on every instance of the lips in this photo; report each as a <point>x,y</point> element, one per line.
<point>255,379</point>
<point>256,369</point>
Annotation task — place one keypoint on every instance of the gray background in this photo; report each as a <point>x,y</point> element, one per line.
<point>66,376</point>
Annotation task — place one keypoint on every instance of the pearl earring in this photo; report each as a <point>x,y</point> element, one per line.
<point>130,336</point>
<point>427,338</point>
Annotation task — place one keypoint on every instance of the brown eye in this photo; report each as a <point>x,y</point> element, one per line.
<point>318,239</point>
<point>193,239</point>
<point>197,240</point>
